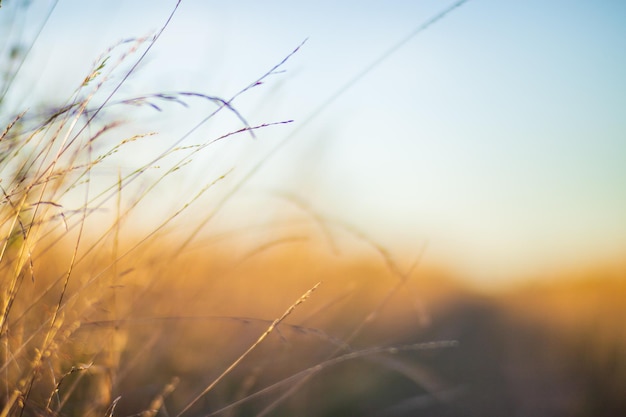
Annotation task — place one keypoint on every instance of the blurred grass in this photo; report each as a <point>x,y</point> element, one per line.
<point>542,350</point>
<point>102,318</point>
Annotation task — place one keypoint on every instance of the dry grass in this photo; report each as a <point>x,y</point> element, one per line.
<point>101,318</point>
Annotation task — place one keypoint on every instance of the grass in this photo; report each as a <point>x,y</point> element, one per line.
<point>102,318</point>
<point>292,315</point>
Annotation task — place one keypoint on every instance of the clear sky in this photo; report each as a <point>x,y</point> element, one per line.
<point>498,134</point>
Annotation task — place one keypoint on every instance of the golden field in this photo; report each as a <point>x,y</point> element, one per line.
<point>146,334</point>
<point>121,295</point>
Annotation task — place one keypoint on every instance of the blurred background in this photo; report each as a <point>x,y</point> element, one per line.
<point>450,171</point>
<point>496,135</point>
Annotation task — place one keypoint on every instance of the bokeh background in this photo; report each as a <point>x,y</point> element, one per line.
<point>497,134</point>
<point>450,172</point>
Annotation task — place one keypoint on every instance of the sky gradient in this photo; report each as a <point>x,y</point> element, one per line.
<point>498,135</point>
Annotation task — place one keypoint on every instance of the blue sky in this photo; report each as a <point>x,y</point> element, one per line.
<point>498,135</point>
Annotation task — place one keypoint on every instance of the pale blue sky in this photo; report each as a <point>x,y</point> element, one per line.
<point>498,135</point>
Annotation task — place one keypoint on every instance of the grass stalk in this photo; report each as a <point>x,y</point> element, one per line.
<point>253,346</point>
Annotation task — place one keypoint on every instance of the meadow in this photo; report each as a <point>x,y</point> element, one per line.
<point>116,303</point>
<point>165,330</point>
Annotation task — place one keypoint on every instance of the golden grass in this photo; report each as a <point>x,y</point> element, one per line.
<point>184,332</point>
<point>100,318</point>
<point>165,317</point>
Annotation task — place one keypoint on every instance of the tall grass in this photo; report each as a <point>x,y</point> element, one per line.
<point>102,317</point>
<point>77,278</point>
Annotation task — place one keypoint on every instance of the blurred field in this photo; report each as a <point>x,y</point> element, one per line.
<point>125,291</point>
<point>165,321</point>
